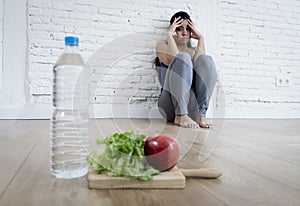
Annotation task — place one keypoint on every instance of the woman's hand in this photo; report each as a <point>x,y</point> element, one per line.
<point>195,33</point>
<point>177,23</point>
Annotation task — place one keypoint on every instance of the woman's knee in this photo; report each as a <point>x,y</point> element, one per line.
<point>184,57</point>
<point>206,63</point>
<point>204,59</point>
<point>182,62</point>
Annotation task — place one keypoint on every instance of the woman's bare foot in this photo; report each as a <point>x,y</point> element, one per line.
<point>185,121</point>
<point>203,122</point>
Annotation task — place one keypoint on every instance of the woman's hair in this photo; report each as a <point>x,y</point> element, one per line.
<point>181,14</point>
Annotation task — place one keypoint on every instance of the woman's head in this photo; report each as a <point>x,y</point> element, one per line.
<point>184,30</point>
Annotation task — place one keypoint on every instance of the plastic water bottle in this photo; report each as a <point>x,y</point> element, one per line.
<point>70,120</point>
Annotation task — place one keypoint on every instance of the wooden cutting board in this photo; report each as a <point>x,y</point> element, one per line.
<point>169,179</point>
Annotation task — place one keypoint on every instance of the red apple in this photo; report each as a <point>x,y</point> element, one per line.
<point>162,151</point>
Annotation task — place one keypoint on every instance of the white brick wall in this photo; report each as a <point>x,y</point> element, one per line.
<point>258,40</point>
<point>252,41</point>
<point>130,80</point>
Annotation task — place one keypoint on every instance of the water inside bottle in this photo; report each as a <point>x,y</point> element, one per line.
<point>70,122</point>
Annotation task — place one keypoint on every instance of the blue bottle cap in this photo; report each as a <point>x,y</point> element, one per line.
<point>71,41</point>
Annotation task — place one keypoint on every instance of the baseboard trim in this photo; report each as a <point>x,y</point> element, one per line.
<point>124,111</point>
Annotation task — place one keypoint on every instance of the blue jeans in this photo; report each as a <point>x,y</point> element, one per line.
<point>186,87</point>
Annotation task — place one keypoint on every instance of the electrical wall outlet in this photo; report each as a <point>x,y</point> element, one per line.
<point>282,80</point>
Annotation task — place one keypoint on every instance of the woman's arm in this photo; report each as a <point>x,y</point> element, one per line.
<point>197,35</point>
<point>166,52</point>
<point>200,48</point>
<point>173,50</point>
